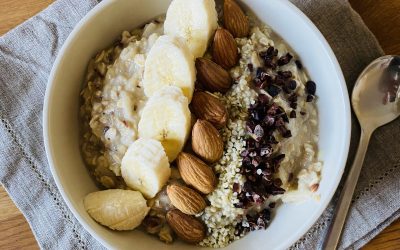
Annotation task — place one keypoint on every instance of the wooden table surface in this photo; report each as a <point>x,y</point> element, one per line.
<point>381,16</point>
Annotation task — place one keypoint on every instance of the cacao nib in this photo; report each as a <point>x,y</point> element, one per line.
<point>272,110</point>
<point>310,98</point>
<point>270,51</point>
<point>269,120</point>
<point>246,161</point>
<point>285,74</point>
<point>250,144</point>
<point>255,162</point>
<point>256,116</point>
<point>279,80</point>
<point>291,85</point>
<point>268,55</point>
<point>279,158</point>
<point>259,132</point>
<point>257,199</point>
<point>267,151</point>
<point>253,154</point>
<point>279,122</point>
<point>250,67</point>
<point>244,153</point>
<point>277,182</point>
<point>247,187</point>
<point>273,90</point>
<point>299,64</point>
<point>287,134</point>
<point>258,83</point>
<point>238,205</point>
<point>285,118</point>
<point>285,59</point>
<point>263,99</point>
<point>259,71</point>
<point>272,140</point>
<point>292,97</point>
<point>311,87</point>
<point>269,63</point>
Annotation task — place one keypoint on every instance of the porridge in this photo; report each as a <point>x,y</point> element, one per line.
<point>113,101</point>
<point>206,159</point>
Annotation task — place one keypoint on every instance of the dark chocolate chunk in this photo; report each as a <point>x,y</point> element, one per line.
<point>250,67</point>
<point>291,85</point>
<point>273,90</point>
<point>311,87</point>
<point>284,59</point>
<point>299,64</point>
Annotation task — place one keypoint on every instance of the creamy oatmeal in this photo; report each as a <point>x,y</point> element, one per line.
<point>270,140</point>
<point>114,97</point>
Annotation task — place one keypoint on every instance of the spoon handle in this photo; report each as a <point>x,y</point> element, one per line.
<point>334,232</point>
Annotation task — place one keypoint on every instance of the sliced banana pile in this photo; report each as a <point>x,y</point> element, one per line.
<point>168,80</point>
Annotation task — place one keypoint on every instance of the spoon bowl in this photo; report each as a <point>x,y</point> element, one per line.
<point>375,97</point>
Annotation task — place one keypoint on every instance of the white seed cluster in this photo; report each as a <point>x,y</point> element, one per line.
<point>221,216</point>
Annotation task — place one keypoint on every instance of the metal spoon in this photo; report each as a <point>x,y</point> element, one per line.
<point>375,101</point>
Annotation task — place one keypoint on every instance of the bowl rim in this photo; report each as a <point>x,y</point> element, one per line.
<point>333,60</point>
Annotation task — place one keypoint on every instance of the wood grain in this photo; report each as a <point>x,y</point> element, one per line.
<point>14,12</point>
<point>15,230</point>
<point>382,17</point>
<point>388,239</point>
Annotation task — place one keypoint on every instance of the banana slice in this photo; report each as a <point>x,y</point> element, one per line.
<point>117,209</point>
<point>166,117</point>
<point>145,167</point>
<point>193,20</point>
<point>169,62</point>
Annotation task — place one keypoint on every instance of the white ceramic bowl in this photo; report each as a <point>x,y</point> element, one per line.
<point>102,26</point>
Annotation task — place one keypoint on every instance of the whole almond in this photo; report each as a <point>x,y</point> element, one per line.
<point>186,199</point>
<point>235,20</point>
<point>206,141</point>
<point>208,107</point>
<point>225,50</point>
<point>187,227</point>
<point>196,173</point>
<point>212,76</point>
